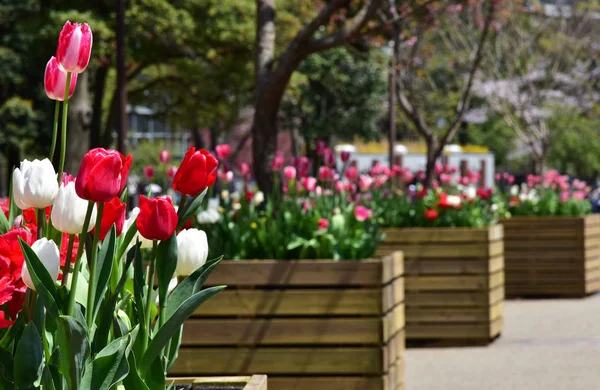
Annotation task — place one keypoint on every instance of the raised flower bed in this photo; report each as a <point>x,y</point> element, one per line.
<point>552,246</point>
<point>314,324</point>
<point>454,279</point>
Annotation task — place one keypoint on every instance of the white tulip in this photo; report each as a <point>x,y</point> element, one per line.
<point>259,197</point>
<point>471,192</point>
<point>192,251</point>
<point>48,253</point>
<point>68,212</point>
<point>208,217</point>
<point>34,184</point>
<point>454,200</point>
<point>130,221</point>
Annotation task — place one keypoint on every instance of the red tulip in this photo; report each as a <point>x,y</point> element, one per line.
<point>149,171</point>
<point>157,219</point>
<point>102,175</point>
<point>430,214</point>
<point>197,172</point>
<point>323,223</point>
<point>328,157</point>
<point>164,156</point>
<point>320,147</point>
<point>345,155</point>
<point>74,47</point>
<point>223,151</point>
<point>325,173</point>
<point>64,247</point>
<point>55,81</point>
<point>113,214</point>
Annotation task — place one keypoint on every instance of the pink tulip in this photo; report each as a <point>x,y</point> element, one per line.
<point>345,156</point>
<point>223,151</point>
<point>302,165</point>
<point>171,172</point>
<point>445,178</point>
<point>365,182</point>
<point>319,190</point>
<point>361,213</point>
<point>164,156</point>
<point>579,195</point>
<point>325,173</point>
<point>408,176</point>
<point>339,186</point>
<point>351,173</point>
<point>320,147</point>
<point>149,171</point>
<point>66,178</point>
<point>421,175</point>
<point>564,196</point>
<point>328,157</point>
<point>376,169</point>
<point>229,176</point>
<point>498,177</point>
<point>309,183</point>
<point>244,169</point>
<point>289,173</point>
<point>438,169</point>
<point>380,181</point>
<point>323,223</point>
<point>277,162</point>
<point>55,81</point>
<point>74,47</point>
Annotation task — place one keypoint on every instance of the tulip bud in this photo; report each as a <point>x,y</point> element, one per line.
<point>197,171</point>
<point>289,173</point>
<point>171,172</point>
<point>164,156</point>
<point>157,219</point>
<point>138,237</point>
<point>149,171</point>
<point>55,80</point>
<point>68,212</point>
<point>34,184</point>
<point>223,151</point>
<point>192,251</point>
<point>74,47</point>
<point>47,251</point>
<point>102,175</point>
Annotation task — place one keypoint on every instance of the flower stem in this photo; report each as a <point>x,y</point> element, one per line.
<point>77,267</point>
<point>55,130</point>
<point>180,206</point>
<point>149,292</point>
<point>67,267</point>
<point>41,219</point>
<point>63,135</point>
<point>89,312</point>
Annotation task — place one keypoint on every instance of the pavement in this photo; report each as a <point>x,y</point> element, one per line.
<point>550,344</point>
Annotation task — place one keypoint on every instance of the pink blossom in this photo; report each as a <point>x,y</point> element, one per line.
<point>323,223</point>
<point>66,179</point>
<point>351,173</point>
<point>289,172</point>
<point>365,182</point>
<point>339,186</point>
<point>244,169</point>
<point>361,213</point>
<point>421,175</point>
<point>464,180</point>
<point>380,181</point>
<point>408,176</point>
<point>345,156</point>
<point>149,171</point>
<point>438,169</point>
<point>309,183</point>
<point>579,195</point>
<point>223,151</point>
<point>164,156</point>
<point>319,190</point>
<point>277,162</point>
<point>564,196</point>
<point>325,173</point>
<point>498,177</point>
<point>171,172</point>
<point>320,147</point>
<point>302,164</point>
<point>445,178</point>
<point>377,169</point>
<point>328,157</point>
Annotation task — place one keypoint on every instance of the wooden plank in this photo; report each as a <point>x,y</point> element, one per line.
<point>442,235</point>
<point>254,382</point>
<point>575,256</point>
<point>445,298</point>
<point>392,267</point>
<point>541,222</point>
<point>290,331</point>
<point>528,289</point>
<point>437,331</point>
<point>526,234</point>
<point>326,383</point>
<point>454,314</point>
<point>393,351</point>
<point>393,295</point>
<point>247,273</point>
<point>394,378</point>
<point>592,286</point>
<point>393,322</point>
<point>535,245</point>
<point>465,250</point>
<point>278,361</point>
<point>453,266</point>
<point>454,283</point>
<point>257,382</point>
<point>297,302</point>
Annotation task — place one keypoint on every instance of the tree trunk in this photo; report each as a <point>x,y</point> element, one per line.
<point>539,160</point>
<point>392,99</point>
<point>99,88</point>
<point>433,153</point>
<point>121,80</point>
<point>79,121</point>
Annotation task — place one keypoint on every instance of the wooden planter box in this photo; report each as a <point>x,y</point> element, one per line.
<point>254,382</point>
<point>552,256</point>
<point>454,281</point>
<point>308,324</point>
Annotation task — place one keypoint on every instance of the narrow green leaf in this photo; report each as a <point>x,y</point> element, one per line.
<point>72,339</point>
<point>170,328</point>
<point>165,265</point>
<point>155,379</point>
<point>190,209</point>
<point>108,367</point>
<point>104,268</point>
<point>4,224</point>
<point>190,285</point>
<point>133,380</point>
<point>6,370</point>
<point>30,358</point>
<point>174,348</point>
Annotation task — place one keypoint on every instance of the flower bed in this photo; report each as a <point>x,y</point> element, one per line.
<point>254,382</point>
<point>552,256</point>
<point>315,324</point>
<point>454,281</point>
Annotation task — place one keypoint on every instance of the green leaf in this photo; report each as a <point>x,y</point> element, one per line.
<point>43,282</point>
<point>133,380</point>
<point>170,328</point>
<point>6,370</point>
<point>103,269</point>
<point>189,286</point>
<point>156,375</point>
<point>4,224</point>
<point>174,348</point>
<point>72,339</point>
<point>108,367</point>
<point>30,358</point>
<point>165,265</point>
<point>190,209</point>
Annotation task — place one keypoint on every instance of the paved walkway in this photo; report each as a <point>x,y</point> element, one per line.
<point>545,345</point>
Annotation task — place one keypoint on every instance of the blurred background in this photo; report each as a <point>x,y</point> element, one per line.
<point>500,85</point>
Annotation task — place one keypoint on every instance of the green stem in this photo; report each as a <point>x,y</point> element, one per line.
<point>78,258</point>
<point>89,312</point>
<point>41,219</point>
<point>63,135</point>
<point>181,206</point>
<point>150,282</point>
<point>27,306</point>
<point>55,130</point>
<point>67,267</point>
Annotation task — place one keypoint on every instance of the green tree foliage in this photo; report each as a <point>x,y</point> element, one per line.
<point>337,94</point>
